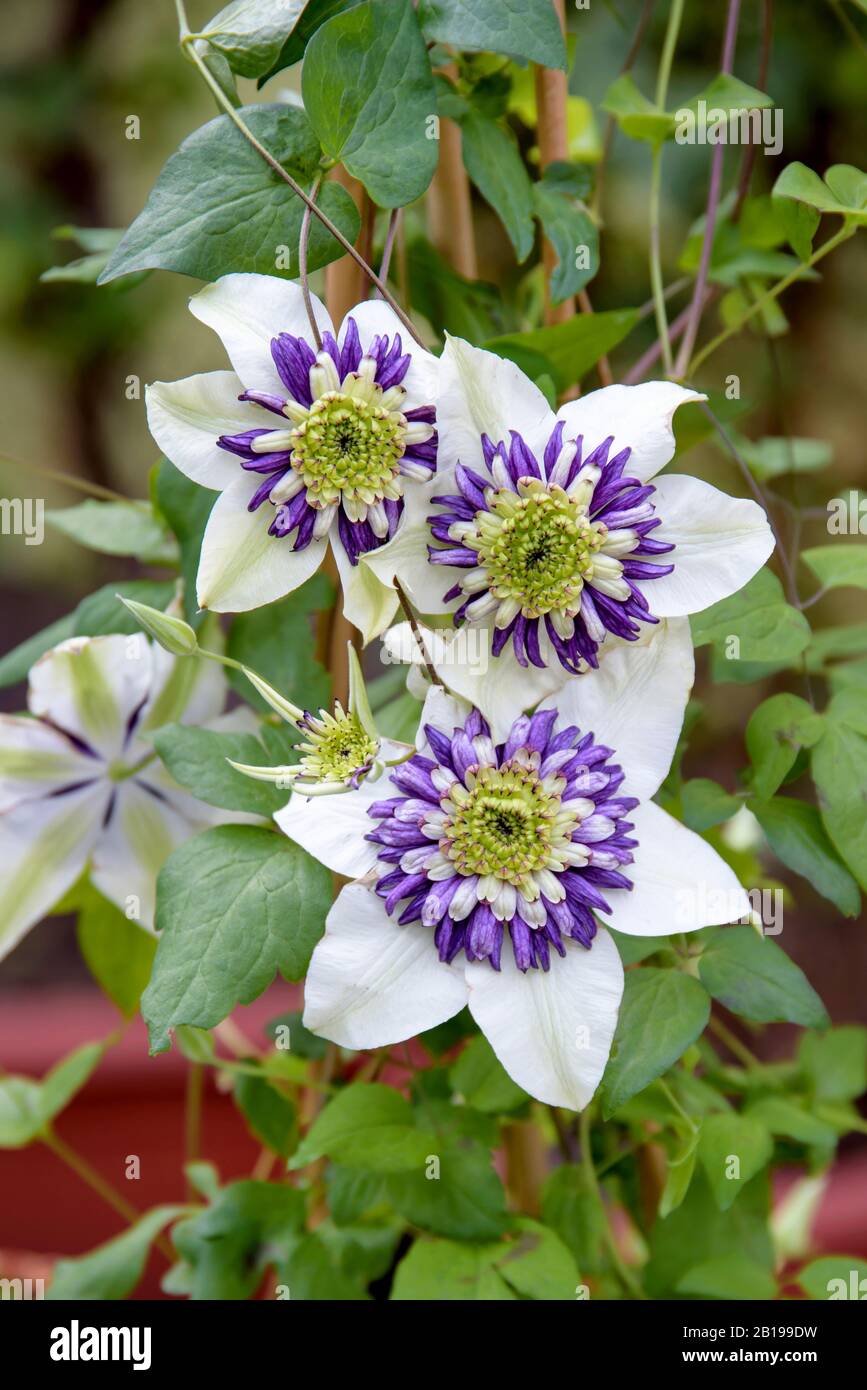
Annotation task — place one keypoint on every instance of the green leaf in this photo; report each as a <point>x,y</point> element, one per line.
<point>568,349</point>
<point>637,117</point>
<point>795,833</point>
<point>839,767</point>
<point>835,1063</point>
<point>367,1126</point>
<point>698,1231</point>
<point>480,1078</point>
<point>789,1120</point>
<point>571,230</point>
<point>535,1265</point>
<point>844,190</point>
<point>314,15</point>
<point>186,507</point>
<point>732,1149</point>
<point>776,732</point>
<point>836,566</point>
<point>732,1276</point>
<point>538,1265</point>
<point>197,759</point>
<point>679,1174</point>
<point>662,1013</point>
<point>369,93</point>
<point>799,222</point>
<point>754,978</point>
<point>275,642</point>
<point>834,1277</point>
<point>526,29</point>
<point>116,528</point>
<point>118,952</point>
<point>234,905</point>
<point>574,1211</point>
<point>249,1226</point>
<point>27,1107</point>
<point>217,207</point>
<point>15,664</point>
<point>460,1195</point>
<point>706,803</point>
<point>251,33</point>
<point>311,1271</point>
<point>495,166</point>
<point>773,458</point>
<point>270,1115</point>
<point>111,1271</point>
<point>765,627</point>
<point>351,1192</point>
<point>102,611</point>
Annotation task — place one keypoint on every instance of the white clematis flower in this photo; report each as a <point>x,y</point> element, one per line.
<point>558,533</point>
<point>487,869</point>
<point>80,783</point>
<point>304,446</point>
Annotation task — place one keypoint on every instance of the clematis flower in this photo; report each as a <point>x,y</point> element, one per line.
<point>558,533</point>
<point>486,873</point>
<point>340,749</point>
<point>304,446</point>
<point>80,784</point>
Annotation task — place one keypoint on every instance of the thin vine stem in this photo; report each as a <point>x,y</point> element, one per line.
<point>675,15</point>
<point>387,249</point>
<point>416,632</point>
<point>303,242</point>
<point>713,196</point>
<point>84,1170</point>
<point>187,41</point>
<point>623,1272</point>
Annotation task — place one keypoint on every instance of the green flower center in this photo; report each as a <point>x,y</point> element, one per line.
<point>537,548</point>
<point>349,447</point>
<point>338,746</point>
<point>502,823</point>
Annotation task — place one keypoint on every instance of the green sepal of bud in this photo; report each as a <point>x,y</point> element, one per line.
<point>172,633</point>
<point>285,708</point>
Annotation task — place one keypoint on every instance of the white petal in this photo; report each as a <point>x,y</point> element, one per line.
<point>637,416</point>
<point>421,382</point>
<point>183,690</point>
<point>248,311</point>
<point>187,417</point>
<point>406,554</point>
<point>635,702</point>
<point>36,760</point>
<point>142,831</point>
<point>241,565</point>
<point>44,846</point>
<point>371,982</point>
<point>332,828</point>
<point>368,603</point>
<point>497,685</point>
<point>680,882</point>
<point>92,686</point>
<point>552,1030</point>
<point>721,542</point>
<point>481,393</point>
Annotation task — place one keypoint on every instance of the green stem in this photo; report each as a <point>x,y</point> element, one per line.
<point>675,16</point>
<point>676,1106</point>
<point>773,293</point>
<point>416,632</point>
<point>187,41</point>
<point>734,1044</point>
<point>98,1184</point>
<point>625,1274</point>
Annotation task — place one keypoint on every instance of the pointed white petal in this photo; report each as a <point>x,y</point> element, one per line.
<point>247,311</point>
<point>142,831</point>
<point>637,416</point>
<point>332,828</point>
<point>406,554</point>
<point>421,381</point>
<point>444,711</point>
<point>481,393</point>
<point>187,417</point>
<point>371,982</point>
<point>183,690</point>
<point>92,686</point>
<point>44,846</point>
<point>498,686</point>
<point>635,702</point>
<point>680,882</point>
<point>241,566</point>
<point>552,1030</point>
<point>721,542</point>
<point>368,603</point>
<point>36,760</point>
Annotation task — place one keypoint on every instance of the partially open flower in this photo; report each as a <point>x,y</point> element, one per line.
<point>305,445</point>
<point>340,750</point>
<point>559,534</point>
<point>488,869</point>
